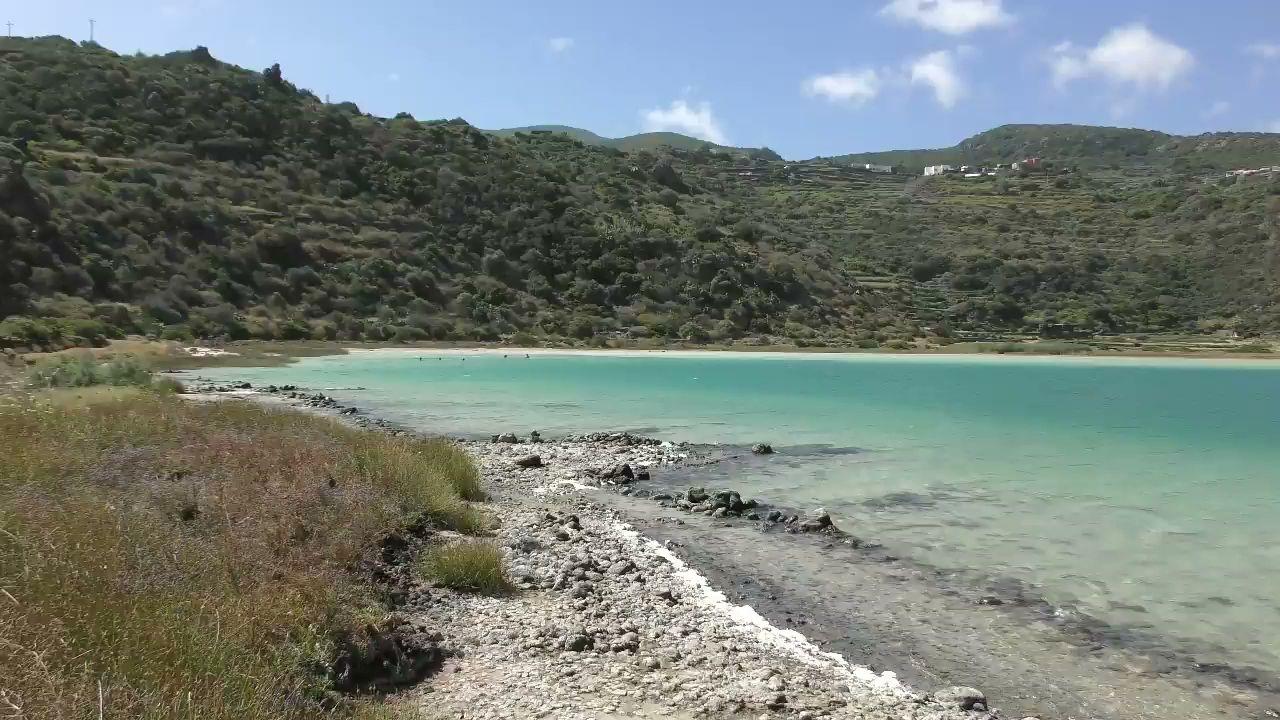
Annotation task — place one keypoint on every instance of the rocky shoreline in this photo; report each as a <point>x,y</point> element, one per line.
<point>607,623</point>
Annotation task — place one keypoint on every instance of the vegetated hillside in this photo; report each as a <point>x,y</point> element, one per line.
<point>182,196</point>
<point>654,141</point>
<point>1054,252</point>
<point>1089,146</point>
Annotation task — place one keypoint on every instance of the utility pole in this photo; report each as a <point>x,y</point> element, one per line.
<point>91,24</point>
<point>10,26</point>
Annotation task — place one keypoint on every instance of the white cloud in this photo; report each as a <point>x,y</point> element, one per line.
<point>559,44</point>
<point>938,71</point>
<point>854,87</point>
<point>682,117</point>
<point>1266,51</point>
<point>954,17</point>
<point>1129,55</point>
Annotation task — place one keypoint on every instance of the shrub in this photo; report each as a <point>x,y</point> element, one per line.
<point>470,565</point>
<point>83,370</point>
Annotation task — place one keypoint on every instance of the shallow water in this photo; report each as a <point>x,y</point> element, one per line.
<point>1145,493</point>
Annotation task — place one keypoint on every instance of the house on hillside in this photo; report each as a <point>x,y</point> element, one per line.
<point>938,169</point>
<point>870,167</point>
<point>1031,163</point>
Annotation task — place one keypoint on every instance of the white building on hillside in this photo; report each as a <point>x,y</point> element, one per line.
<point>938,169</point>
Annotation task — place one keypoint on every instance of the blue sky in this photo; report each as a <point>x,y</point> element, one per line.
<point>805,78</point>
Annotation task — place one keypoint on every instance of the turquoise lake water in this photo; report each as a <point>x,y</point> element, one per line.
<point>1146,493</point>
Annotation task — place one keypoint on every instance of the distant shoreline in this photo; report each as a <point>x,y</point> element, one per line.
<point>259,353</point>
<point>804,354</point>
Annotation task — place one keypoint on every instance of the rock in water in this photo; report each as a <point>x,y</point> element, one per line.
<point>535,437</point>
<point>508,438</point>
<point>964,698</point>
<point>818,520</point>
<point>762,449</point>
<point>696,495</point>
<point>530,461</point>
<point>729,500</point>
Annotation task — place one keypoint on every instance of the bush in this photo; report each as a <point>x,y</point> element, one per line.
<point>83,370</point>
<point>473,566</point>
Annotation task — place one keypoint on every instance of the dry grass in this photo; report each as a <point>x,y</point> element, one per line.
<point>470,565</point>
<point>164,559</point>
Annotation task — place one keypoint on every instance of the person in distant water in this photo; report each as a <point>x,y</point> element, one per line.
<point>526,356</point>
<point>504,356</point>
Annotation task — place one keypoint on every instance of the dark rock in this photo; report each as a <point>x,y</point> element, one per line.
<point>728,499</point>
<point>535,437</point>
<point>762,449</point>
<point>530,461</point>
<point>753,516</point>
<point>662,496</point>
<point>562,534</point>
<point>507,438</point>
<point>775,516</point>
<point>964,698</point>
<point>619,473</point>
<point>578,642</point>
<point>696,495</point>
<point>642,475</point>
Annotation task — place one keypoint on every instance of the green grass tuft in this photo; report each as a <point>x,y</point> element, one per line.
<point>469,565</point>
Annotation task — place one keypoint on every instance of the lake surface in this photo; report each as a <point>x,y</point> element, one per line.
<point>1145,493</point>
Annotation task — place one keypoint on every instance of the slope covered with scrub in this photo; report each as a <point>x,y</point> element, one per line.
<point>181,196</point>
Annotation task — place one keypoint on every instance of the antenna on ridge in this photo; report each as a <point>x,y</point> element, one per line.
<point>92,22</point>
<point>9,25</point>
